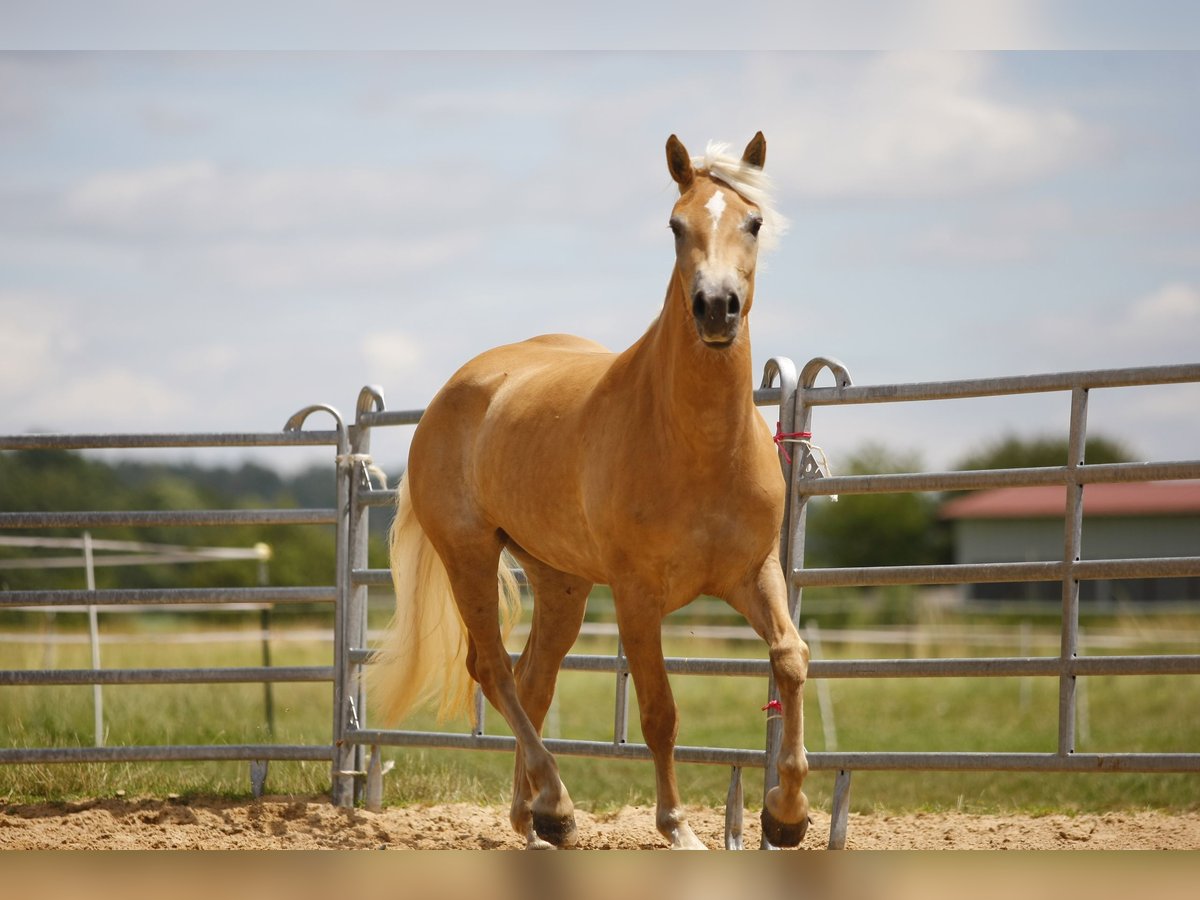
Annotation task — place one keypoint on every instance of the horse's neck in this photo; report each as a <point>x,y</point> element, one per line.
<point>702,396</point>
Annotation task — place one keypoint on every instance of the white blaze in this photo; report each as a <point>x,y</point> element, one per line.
<point>715,207</point>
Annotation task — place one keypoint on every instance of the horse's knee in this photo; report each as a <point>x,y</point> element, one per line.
<point>789,660</point>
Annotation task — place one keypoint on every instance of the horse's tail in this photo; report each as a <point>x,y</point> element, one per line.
<point>423,654</point>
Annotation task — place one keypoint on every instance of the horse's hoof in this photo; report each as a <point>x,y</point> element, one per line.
<point>783,834</point>
<point>557,830</point>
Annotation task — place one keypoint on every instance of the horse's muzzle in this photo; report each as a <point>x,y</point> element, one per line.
<point>718,316</point>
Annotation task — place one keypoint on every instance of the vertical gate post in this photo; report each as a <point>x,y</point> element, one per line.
<point>1072,549</point>
<point>839,816</point>
<point>795,415</point>
<point>341,773</point>
<point>735,803</point>
<point>621,707</point>
<point>358,467</point>
<point>89,564</point>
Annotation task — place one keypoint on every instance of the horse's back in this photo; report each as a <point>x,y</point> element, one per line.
<point>563,342</point>
<point>509,419</point>
<point>547,366</point>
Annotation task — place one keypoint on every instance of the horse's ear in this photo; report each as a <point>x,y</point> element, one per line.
<point>679,163</point>
<point>756,151</point>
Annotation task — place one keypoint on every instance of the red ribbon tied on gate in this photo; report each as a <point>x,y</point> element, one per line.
<point>782,437</point>
<point>775,705</point>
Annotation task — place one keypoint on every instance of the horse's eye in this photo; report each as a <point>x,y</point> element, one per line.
<point>754,224</point>
<point>676,227</point>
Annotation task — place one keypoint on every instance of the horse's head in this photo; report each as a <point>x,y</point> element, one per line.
<point>717,222</point>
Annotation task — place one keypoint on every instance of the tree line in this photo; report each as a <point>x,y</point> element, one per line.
<point>905,529</point>
<point>860,530</point>
<point>45,481</point>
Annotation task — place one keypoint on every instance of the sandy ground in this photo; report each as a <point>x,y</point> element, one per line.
<point>312,823</point>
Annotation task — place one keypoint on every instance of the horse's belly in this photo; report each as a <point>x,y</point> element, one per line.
<point>532,494</point>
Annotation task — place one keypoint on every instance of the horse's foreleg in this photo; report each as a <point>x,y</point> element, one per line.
<point>763,601</point>
<point>551,808</point>
<point>559,605</point>
<point>641,634</point>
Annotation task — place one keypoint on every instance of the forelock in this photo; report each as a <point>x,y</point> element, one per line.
<point>750,182</point>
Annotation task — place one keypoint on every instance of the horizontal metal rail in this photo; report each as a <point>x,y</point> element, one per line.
<point>168,518</point>
<point>1006,666</point>
<point>231,675</point>
<point>372,419</point>
<point>376,577</point>
<point>862,761</point>
<point>1005,762</point>
<point>997,478</point>
<point>376,497</point>
<point>181,752</point>
<point>599,749</point>
<point>998,573</point>
<point>150,441</point>
<point>996,387</point>
<point>952,667</point>
<point>168,596</point>
<point>110,562</point>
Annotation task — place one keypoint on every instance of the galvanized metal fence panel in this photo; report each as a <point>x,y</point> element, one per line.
<point>1070,571</point>
<point>796,396</point>
<point>192,599</point>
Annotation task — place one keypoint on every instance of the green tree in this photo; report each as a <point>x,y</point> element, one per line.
<point>1012,452</point>
<point>876,529</point>
<point>41,480</point>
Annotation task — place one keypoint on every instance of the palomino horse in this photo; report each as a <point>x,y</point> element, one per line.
<point>649,470</point>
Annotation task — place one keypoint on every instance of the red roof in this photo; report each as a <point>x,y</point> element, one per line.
<point>1150,498</point>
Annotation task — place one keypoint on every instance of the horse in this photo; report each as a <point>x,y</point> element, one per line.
<point>650,471</point>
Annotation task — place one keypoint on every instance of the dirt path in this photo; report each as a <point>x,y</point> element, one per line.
<point>311,823</point>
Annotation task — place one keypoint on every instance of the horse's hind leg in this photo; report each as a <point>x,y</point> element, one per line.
<point>762,599</point>
<point>473,579</point>
<point>560,601</point>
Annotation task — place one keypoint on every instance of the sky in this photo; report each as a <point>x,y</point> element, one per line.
<point>200,240</point>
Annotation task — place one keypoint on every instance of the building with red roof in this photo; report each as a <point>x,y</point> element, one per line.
<point>1120,521</point>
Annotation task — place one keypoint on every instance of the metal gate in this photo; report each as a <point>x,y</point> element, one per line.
<point>191,598</point>
<point>354,747</point>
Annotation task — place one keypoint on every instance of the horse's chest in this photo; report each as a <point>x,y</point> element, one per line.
<point>729,526</point>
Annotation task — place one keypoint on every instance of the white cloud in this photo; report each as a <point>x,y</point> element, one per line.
<point>34,336</point>
<point>535,25</point>
<point>207,360</point>
<point>994,234</point>
<point>114,399</point>
<point>1159,327</point>
<point>954,24</point>
<point>174,120</point>
<point>392,356</point>
<point>918,125</point>
<point>201,198</point>
<point>1171,307</point>
<point>961,246</point>
<point>336,262</point>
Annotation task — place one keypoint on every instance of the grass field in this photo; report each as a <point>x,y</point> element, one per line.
<point>1133,714</point>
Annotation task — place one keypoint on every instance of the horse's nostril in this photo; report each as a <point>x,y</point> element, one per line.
<point>735,305</point>
<point>699,306</point>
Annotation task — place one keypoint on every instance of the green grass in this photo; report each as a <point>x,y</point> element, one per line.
<point>1125,714</point>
